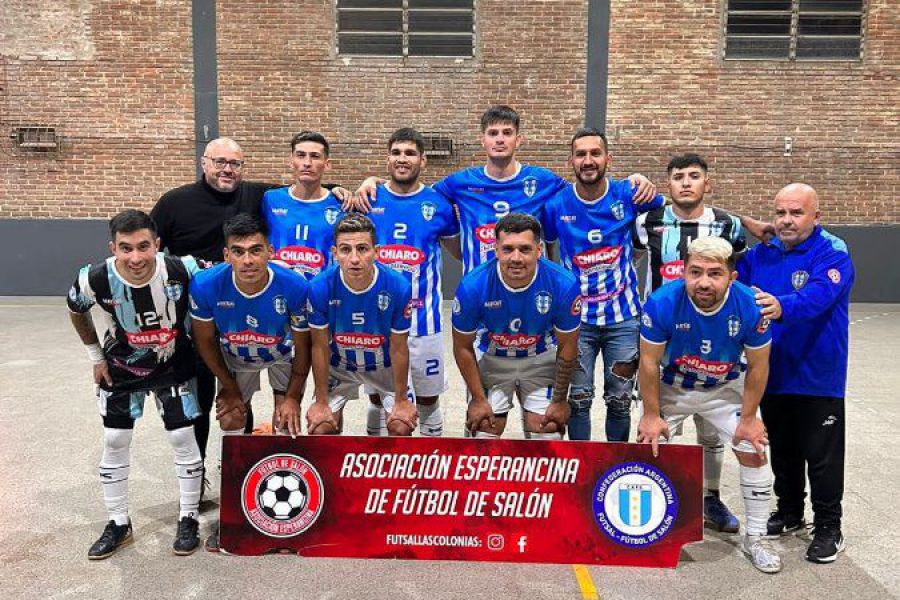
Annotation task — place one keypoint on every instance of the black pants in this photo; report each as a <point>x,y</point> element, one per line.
<point>806,434</point>
<point>206,395</point>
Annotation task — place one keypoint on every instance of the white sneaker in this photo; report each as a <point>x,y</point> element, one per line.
<point>761,554</point>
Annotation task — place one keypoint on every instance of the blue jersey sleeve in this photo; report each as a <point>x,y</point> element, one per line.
<point>745,266</point>
<point>829,280</point>
<point>201,306</point>
<point>550,217</point>
<point>465,311</point>
<point>444,187</point>
<point>400,320</point>
<point>759,333</point>
<point>653,327</point>
<point>568,312</point>
<point>298,301</point>
<point>317,306</point>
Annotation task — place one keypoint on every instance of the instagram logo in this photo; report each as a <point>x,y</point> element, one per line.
<point>495,542</point>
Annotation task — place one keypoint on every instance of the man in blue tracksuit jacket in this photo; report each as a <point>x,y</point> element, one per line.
<point>805,277</point>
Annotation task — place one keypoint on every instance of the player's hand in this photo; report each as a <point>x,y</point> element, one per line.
<point>650,429</point>
<point>478,412</point>
<point>287,416</point>
<point>342,194</point>
<point>751,429</point>
<point>761,230</point>
<point>365,194</point>
<point>320,414</point>
<point>227,400</point>
<point>101,373</point>
<point>769,305</point>
<point>558,413</point>
<point>645,191</point>
<point>405,412</point>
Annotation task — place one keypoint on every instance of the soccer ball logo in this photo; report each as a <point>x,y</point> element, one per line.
<point>283,496</point>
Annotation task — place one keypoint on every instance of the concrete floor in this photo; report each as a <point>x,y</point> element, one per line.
<point>51,508</point>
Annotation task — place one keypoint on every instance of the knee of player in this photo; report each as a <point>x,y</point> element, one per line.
<point>625,369</point>
<point>581,399</point>
<point>751,459</point>
<point>618,404</point>
<point>399,428</point>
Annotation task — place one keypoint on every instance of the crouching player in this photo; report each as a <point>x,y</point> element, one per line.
<point>259,310</point>
<point>698,329</point>
<point>143,295</point>
<point>359,314</point>
<point>525,312</point>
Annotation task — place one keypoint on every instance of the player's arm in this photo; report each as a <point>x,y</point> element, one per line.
<point>750,427</point>
<point>761,230</point>
<point>319,413</point>
<point>229,396</point>
<point>464,352</point>
<point>559,410</point>
<point>364,197</point>
<point>644,190</point>
<point>404,410</point>
<point>651,425</point>
<point>84,327</point>
<point>288,412</point>
<point>453,246</point>
<point>827,283</point>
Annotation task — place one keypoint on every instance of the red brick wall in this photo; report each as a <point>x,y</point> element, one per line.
<point>117,81</point>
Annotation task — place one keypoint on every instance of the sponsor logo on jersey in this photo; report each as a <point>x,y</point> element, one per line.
<point>646,320</point>
<point>279,303</point>
<point>153,338</point>
<point>485,234</point>
<point>282,495</point>
<point>493,304</point>
<point>529,186</point>
<point>331,215</point>
<point>384,301</point>
<point>635,504</point>
<point>407,310</point>
<point>568,218</point>
<point>763,325</point>
<point>799,279</point>
<point>280,212</point>
<point>618,209</point>
<point>575,310</point>
<point>673,269</point>
<point>417,303</point>
<point>358,341</point>
<point>598,259</point>
<point>251,321</point>
<point>603,296</point>
<point>332,302</point>
<point>400,257</point>
<point>475,190</point>
<point>682,326</point>
<point>734,326</point>
<point>248,338</point>
<point>834,275</point>
<point>542,302</point>
<point>514,340</point>
<point>222,304</point>
<point>690,363</point>
<point>429,208</point>
<point>301,259</point>
<point>377,210</point>
<point>107,301</point>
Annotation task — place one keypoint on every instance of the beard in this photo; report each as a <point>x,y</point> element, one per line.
<point>591,178</point>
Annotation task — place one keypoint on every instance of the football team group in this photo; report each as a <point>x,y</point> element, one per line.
<point>227,278</point>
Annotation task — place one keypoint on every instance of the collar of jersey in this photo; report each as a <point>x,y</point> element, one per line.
<point>260,292</point>
<point>502,179</point>
<point>159,262</point>
<point>296,199</point>
<point>705,313</point>
<point>590,202</point>
<point>363,291</point>
<point>523,288</point>
<point>802,246</point>
<point>705,216</point>
<point>406,195</point>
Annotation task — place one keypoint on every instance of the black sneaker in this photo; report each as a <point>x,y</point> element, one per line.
<point>827,543</point>
<point>186,538</point>
<point>780,523</point>
<point>113,537</point>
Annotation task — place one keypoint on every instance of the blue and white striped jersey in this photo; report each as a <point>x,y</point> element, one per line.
<point>360,323</point>
<point>255,329</point>
<point>703,349</point>
<point>517,323</point>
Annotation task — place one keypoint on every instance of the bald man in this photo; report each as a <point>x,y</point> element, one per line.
<point>804,279</point>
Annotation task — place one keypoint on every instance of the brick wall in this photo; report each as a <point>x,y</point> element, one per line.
<point>116,78</point>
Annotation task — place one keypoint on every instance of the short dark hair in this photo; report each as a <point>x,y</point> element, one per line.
<point>407,134</point>
<point>243,225</point>
<point>518,223</point>
<point>354,223</point>
<point>500,113</point>
<point>683,161</point>
<point>129,221</point>
<point>589,132</point>
<point>311,136</point>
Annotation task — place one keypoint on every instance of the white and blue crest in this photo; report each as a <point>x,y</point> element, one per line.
<point>428,210</point>
<point>331,215</point>
<point>734,326</point>
<point>542,302</point>
<point>635,503</point>
<point>174,290</point>
<point>799,279</point>
<point>529,186</point>
<point>384,301</point>
<point>280,304</point>
<point>618,209</point>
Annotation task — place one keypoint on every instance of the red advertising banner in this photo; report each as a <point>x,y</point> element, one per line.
<point>460,499</point>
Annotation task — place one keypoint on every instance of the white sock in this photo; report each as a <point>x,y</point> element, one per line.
<point>756,487</point>
<point>431,419</point>
<point>115,465</point>
<point>189,469</point>
<point>713,457</point>
<point>534,435</point>
<point>376,422</point>
<point>484,435</point>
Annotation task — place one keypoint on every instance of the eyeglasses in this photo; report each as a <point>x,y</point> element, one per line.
<point>221,163</point>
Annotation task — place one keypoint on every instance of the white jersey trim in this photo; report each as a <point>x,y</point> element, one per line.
<point>769,343</point>
<point>502,179</point>
<point>311,200</point>
<point>521,289</point>
<point>654,343</point>
<point>363,291</point>
<point>714,312</point>
<point>156,272</point>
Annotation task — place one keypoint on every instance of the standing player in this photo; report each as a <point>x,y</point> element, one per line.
<point>143,294</point>
<point>525,311</point>
<point>698,329</point>
<point>259,312</point>
<point>666,232</point>
<point>411,223</point>
<point>359,313</point>
<point>301,217</point>
<point>593,220</point>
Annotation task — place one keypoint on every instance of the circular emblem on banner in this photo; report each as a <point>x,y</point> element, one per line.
<point>635,504</point>
<point>282,495</point>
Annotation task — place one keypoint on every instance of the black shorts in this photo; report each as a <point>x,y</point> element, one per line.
<point>177,404</point>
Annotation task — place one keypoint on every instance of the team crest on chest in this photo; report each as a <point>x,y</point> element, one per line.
<point>618,210</point>
<point>280,304</point>
<point>799,279</point>
<point>174,290</point>
<point>529,186</point>
<point>331,215</point>
<point>384,301</point>
<point>734,326</point>
<point>542,302</point>
<point>428,210</point>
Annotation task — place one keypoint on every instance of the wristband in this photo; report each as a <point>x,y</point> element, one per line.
<point>95,353</point>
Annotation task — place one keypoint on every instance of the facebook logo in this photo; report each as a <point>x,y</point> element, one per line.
<point>523,541</point>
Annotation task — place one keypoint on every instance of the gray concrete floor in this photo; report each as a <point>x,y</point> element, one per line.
<point>51,508</point>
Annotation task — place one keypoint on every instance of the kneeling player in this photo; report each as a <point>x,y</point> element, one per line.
<point>259,310</point>
<point>146,349</point>
<point>526,312</point>
<point>359,313</point>
<point>698,328</point>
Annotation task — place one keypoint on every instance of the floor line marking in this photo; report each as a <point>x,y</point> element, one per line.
<point>588,591</point>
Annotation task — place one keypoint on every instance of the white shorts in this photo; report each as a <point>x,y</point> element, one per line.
<point>343,385</point>
<point>531,379</point>
<point>720,408</point>
<point>247,375</point>
<point>426,365</point>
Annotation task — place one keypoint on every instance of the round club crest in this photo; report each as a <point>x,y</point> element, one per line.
<point>428,210</point>
<point>542,302</point>
<point>331,215</point>
<point>384,301</point>
<point>282,495</point>
<point>529,186</point>
<point>618,209</point>
<point>280,304</point>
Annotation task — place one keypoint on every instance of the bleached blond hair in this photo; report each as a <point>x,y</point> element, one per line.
<point>712,248</point>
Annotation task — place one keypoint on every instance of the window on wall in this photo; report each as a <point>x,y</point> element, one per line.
<point>794,29</point>
<point>406,27</point>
